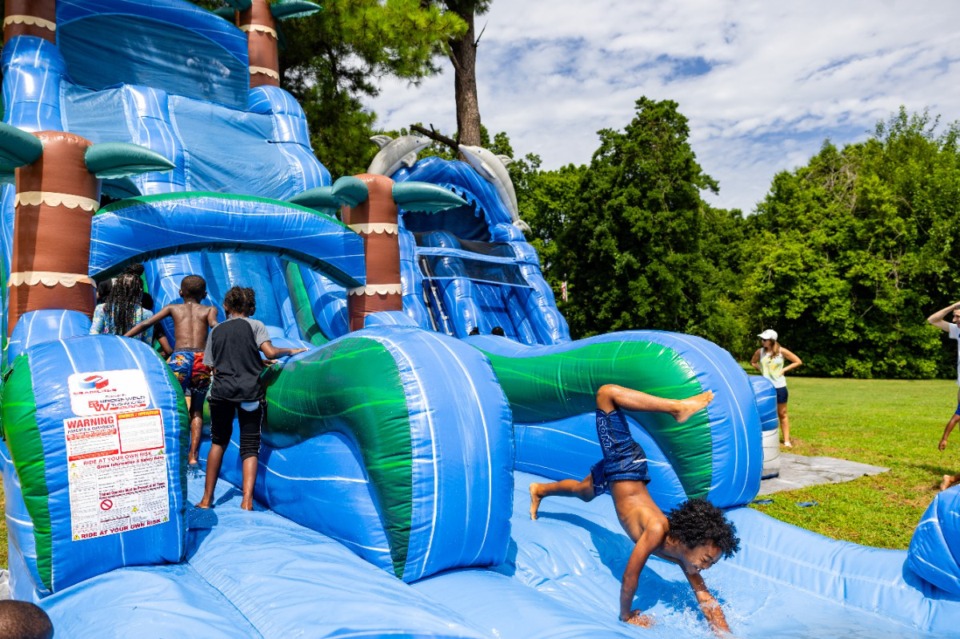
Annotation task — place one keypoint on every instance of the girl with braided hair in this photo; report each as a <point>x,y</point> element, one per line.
<point>122,310</point>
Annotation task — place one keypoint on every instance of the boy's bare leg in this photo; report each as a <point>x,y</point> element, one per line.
<point>249,479</point>
<point>196,428</point>
<point>611,396</point>
<point>214,461</point>
<point>582,489</point>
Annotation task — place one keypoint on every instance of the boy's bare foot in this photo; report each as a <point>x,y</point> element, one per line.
<point>689,406</point>
<point>534,500</point>
<point>947,482</point>
<point>193,462</point>
<point>204,503</point>
<point>246,504</point>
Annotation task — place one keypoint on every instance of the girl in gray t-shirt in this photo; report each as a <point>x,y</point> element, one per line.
<point>233,352</point>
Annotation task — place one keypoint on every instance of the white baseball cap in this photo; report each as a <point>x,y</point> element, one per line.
<point>768,334</point>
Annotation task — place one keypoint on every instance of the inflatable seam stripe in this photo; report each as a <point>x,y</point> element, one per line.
<point>22,435</point>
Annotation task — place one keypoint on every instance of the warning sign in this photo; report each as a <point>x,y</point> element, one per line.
<point>116,458</point>
<point>138,431</point>
<point>118,493</point>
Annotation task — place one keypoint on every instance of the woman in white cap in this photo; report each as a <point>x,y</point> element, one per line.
<point>769,360</point>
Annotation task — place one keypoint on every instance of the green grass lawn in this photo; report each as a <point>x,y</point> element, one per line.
<point>895,424</point>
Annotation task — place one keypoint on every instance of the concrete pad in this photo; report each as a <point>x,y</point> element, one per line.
<point>797,471</point>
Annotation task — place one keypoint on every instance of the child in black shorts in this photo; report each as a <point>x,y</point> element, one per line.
<point>233,352</point>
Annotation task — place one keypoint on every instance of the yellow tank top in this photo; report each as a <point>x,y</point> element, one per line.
<point>771,366</point>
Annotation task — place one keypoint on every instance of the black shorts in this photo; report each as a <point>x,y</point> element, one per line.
<point>222,412</point>
<point>782,395</point>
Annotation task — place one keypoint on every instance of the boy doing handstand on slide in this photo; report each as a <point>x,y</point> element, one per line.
<point>694,536</point>
<point>191,322</point>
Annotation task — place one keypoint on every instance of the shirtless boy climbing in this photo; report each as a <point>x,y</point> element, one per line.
<point>694,536</point>
<point>191,323</point>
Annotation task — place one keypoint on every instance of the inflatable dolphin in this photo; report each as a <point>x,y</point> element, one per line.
<point>494,169</point>
<point>395,153</point>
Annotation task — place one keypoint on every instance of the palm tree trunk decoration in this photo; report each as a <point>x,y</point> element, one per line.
<point>371,206</point>
<point>36,18</point>
<point>58,190</point>
<point>258,19</point>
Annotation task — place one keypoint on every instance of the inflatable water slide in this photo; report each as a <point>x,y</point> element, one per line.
<point>392,488</point>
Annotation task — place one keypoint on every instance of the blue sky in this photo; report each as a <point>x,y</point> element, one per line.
<point>762,83</point>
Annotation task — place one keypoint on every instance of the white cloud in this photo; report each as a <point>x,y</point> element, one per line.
<point>783,76</point>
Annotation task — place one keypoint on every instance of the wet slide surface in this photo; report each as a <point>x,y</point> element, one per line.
<point>561,579</point>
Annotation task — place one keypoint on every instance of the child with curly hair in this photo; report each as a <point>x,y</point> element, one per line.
<point>233,352</point>
<point>694,536</point>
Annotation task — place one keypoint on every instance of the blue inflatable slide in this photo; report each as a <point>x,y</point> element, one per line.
<point>392,494</point>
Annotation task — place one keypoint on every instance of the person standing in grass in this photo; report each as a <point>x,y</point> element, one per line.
<point>952,328</point>
<point>769,359</point>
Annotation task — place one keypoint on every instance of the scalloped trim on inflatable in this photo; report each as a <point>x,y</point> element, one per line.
<point>377,289</point>
<point>33,198</point>
<point>33,21</point>
<point>259,28</point>
<point>265,71</point>
<point>377,227</point>
<point>49,278</point>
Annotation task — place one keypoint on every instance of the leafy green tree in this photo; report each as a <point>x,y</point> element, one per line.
<point>546,199</point>
<point>850,253</point>
<point>329,62</point>
<point>634,245</point>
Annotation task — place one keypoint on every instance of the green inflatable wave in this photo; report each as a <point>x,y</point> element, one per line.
<point>353,386</point>
<point>551,386</point>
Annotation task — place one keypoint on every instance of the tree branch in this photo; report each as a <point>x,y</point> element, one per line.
<point>433,134</point>
<point>477,41</point>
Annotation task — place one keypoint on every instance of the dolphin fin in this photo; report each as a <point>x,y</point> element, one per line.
<point>409,159</point>
<point>381,140</point>
<point>505,159</point>
<point>523,226</point>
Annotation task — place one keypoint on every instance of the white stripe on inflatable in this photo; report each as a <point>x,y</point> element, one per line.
<point>486,439</point>
<point>385,550</point>
<point>66,351</point>
<point>346,480</point>
<point>22,522</point>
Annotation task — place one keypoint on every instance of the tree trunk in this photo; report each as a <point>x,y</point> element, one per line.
<point>463,55</point>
